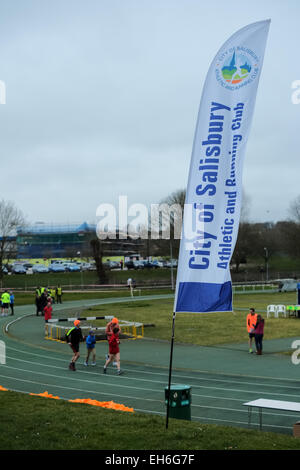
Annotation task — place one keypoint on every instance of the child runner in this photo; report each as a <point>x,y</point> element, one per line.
<point>90,345</point>
<point>114,351</point>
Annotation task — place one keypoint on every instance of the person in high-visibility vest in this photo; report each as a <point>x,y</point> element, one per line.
<point>58,294</point>
<point>52,294</point>
<point>37,299</point>
<point>5,300</point>
<point>251,322</point>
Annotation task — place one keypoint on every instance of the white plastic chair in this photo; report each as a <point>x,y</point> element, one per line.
<point>272,309</point>
<point>281,309</point>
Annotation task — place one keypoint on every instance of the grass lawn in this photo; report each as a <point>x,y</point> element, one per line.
<point>26,298</point>
<point>205,329</point>
<point>69,279</point>
<point>35,423</point>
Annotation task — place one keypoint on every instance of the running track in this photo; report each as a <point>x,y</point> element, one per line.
<point>221,378</point>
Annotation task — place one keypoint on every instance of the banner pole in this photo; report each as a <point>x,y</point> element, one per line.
<point>170,369</point>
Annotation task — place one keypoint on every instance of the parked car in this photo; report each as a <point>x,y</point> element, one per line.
<point>172,263</point>
<point>150,264</point>
<point>115,265</point>
<point>40,268</point>
<point>141,263</point>
<point>18,269</point>
<point>286,285</point>
<point>27,265</point>
<point>132,264</point>
<point>85,266</point>
<point>72,267</point>
<point>158,264</point>
<point>111,264</point>
<point>56,268</point>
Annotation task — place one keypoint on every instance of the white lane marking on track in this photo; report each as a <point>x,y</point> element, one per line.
<point>98,392</point>
<point>259,392</point>
<point>229,380</point>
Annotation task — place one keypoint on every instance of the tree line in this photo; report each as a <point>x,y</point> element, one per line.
<point>259,241</point>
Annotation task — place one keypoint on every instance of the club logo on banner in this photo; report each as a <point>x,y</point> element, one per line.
<point>236,67</point>
<point>214,189</point>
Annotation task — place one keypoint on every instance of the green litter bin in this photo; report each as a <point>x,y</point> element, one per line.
<point>180,401</point>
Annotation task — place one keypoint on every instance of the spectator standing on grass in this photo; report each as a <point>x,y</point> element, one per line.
<point>74,336</point>
<point>251,322</point>
<point>12,302</point>
<point>90,345</point>
<point>114,351</point>
<point>259,334</point>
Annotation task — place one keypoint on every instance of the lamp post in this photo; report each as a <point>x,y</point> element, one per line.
<point>267,264</point>
<point>81,272</point>
<point>172,274</point>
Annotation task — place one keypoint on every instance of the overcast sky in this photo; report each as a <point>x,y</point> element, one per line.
<point>102,99</point>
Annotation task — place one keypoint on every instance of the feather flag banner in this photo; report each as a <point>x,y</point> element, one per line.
<point>214,189</point>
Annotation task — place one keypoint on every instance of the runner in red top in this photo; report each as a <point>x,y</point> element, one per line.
<point>114,351</point>
<point>48,312</point>
<point>47,315</point>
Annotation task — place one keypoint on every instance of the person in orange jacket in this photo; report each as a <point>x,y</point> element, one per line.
<point>114,323</point>
<point>251,322</point>
<point>114,350</point>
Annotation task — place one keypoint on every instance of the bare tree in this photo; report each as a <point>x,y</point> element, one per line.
<point>167,222</point>
<point>294,209</point>
<point>97,251</point>
<point>245,208</point>
<point>10,219</point>
<point>246,237</point>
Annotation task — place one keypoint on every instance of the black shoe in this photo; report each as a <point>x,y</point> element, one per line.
<point>104,370</point>
<point>120,372</point>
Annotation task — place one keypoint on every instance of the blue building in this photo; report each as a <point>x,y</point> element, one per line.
<point>57,241</point>
<point>67,241</point>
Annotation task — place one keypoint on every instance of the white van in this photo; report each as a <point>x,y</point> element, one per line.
<point>287,285</point>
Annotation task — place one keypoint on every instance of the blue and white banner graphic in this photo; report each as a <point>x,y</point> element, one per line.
<point>213,197</point>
